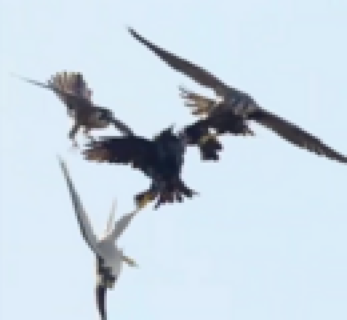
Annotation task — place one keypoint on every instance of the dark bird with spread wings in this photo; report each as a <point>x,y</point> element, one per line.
<point>161,159</point>
<point>234,108</point>
<point>73,91</point>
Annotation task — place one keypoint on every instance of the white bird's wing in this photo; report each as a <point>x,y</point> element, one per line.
<point>82,218</point>
<point>121,225</point>
<point>111,219</point>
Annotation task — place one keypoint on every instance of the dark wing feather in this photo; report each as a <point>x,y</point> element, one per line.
<point>295,135</point>
<point>198,74</point>
<point>138,151</point>
<point>122,127</point>
<point>100,295</point>
<point>199,105</point>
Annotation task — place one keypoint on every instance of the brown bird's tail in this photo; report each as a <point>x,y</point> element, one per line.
<point>171,192</point>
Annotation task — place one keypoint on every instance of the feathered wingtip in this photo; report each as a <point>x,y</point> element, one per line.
<point>96,151</point>
<point>199,105</point>
<point>71,82</point>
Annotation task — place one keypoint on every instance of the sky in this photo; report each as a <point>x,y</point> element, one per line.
<point>265,239</point>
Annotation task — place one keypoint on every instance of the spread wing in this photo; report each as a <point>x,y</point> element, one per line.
<point>138,151</point>
<point>111,218</point>
<point>82,218</point>
<point>73,83</point>
<point>70,88</point>
<point>295,135</point>
<point>198,74</point>
<point>121,126</point>
<point>200,105</point>
<point>100,295</point>
<point>115,229</point>
<point>123,223</point>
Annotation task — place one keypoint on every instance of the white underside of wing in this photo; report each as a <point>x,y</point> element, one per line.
<point>82,218</point>
<point>119,227</point>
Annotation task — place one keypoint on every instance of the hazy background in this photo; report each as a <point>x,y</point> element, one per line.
<point>266,238</point>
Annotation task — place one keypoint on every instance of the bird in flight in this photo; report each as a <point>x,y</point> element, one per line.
<point>160,159</point>
<point>109,258</point>
<point>231,110</point>
<point>72,89</point>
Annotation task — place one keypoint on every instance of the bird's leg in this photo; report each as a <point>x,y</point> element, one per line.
<point>129,261</point>
<point>72,135</point>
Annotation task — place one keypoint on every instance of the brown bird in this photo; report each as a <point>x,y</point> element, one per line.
<point>234,108</point>
<point>73,91</point>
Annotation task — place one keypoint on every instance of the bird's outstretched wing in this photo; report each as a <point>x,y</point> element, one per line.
<point>100,295</point>
<point>121,126</point>
<point>111,218</point>
<point>198,74</point>
<point>115,229</point>
<point>73,83</point>
<point>137,151</point>
<point>70,87</point>
<point>295,135</point>
<point>82,218</point>
<point>123,223</point>
<point>200,105</point>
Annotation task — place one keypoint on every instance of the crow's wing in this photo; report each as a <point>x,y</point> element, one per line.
<point>198,74</point>
<point>295,135</point>
<point>138,151</point>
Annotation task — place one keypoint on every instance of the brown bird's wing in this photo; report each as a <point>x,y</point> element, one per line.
<point>66,86</point>
<point>200,105</point>
<point>138,151</point>
<point>122,127</point>
<point>73,83</point>
<point>198,74</point>
<point>100,295</point>
<point>295,135</point>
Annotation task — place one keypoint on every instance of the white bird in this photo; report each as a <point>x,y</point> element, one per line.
<point>109,258</point>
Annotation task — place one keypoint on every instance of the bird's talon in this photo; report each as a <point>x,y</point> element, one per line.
<point>148,197</point>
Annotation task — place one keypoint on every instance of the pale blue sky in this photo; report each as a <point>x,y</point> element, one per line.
<point>267,237</point>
